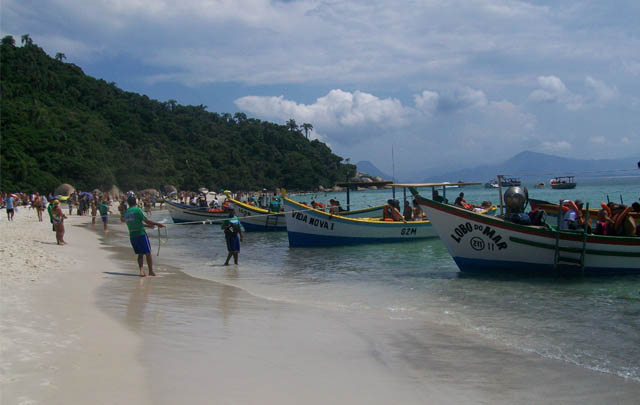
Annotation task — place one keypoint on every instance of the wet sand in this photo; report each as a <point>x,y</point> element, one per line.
<point>93,332</point>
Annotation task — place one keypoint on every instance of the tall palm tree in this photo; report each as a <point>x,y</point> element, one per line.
<point>306,127</point>
<point>26,40</point>
<point>291,124</point>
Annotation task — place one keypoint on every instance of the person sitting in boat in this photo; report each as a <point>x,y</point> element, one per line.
<point>460,202</point>
<point>604,223</point>
<point>334,206</point>
<point>274,206</point>
<point>407,212</point>
<point>572,219</point>
<point>317,205</point>
<point>624,224</point>
<point>418,215</point>
<point>395,211</point>
<point>435,196</point>
<point>387,211</point>
<point>202,201</point>
<point>635,207</point>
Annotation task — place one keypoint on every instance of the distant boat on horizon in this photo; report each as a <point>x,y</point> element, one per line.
<point>563,183</point>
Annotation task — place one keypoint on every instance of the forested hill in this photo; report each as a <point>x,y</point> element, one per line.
<point>60,125</point>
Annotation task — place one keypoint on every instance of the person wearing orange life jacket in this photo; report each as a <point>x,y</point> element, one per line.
<point>387,211</point>
<point>460,202</point>
<point>572,219</point>
<point>395,211</point>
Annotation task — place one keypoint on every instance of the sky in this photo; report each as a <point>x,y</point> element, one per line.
<point>445,84</point>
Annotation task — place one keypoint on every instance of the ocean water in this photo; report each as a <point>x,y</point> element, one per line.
<point>592,323</point>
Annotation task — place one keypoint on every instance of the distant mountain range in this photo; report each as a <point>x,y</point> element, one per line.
<point>531,166</point>
<point>367,167</point>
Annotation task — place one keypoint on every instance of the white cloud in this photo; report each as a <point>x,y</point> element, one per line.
<point>338,110</point>
<point>427,101</point>
<point>603,92</point>
<point>553,90</point>
<point>462,98</point>
<point>598,140</point>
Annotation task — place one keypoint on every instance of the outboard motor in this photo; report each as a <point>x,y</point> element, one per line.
<point>515,200</point>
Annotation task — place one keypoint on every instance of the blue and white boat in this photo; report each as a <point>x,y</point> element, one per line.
<point>181,213</point>
<point>308,227</point>
<point>486,244</point>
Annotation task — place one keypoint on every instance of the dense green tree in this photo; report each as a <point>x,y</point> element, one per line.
<point>59,125</point>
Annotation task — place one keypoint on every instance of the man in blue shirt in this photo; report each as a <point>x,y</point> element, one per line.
<point>233,236</point>
<point>8,203</point>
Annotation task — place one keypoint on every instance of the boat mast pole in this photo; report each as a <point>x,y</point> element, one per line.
<point>500,176</point>
<point>393,173</point>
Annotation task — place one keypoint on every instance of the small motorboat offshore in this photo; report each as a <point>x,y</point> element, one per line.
<point>480,243</point>
<point>563,183</point>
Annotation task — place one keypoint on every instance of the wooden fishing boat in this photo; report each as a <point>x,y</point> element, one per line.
<point>562,183</point>
<point>308,227</point>
<point>190,213</point>
<point>552,209</point>
<point>483,244</point>
<point>257,219</point>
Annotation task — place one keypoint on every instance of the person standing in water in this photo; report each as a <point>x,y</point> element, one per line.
<point>136,221</point>
<point>104,213</point>
<point>233,236</point>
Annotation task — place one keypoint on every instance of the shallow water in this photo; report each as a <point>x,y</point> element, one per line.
<point>591,322</point>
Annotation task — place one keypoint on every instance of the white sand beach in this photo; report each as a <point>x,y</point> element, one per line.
<point>77,327</point>
<point>57,347</point>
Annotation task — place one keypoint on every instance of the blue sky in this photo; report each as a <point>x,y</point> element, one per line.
<point>447,83</point>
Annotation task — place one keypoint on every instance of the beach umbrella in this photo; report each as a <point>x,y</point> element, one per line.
<point>88,194</point>
<point>64,189</point>
<point>169,189</point>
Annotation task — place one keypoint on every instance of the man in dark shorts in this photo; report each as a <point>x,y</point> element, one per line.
<point>233,235</point>
<point>9,202</point>
<point>136,221</point>
<point>104,212</point>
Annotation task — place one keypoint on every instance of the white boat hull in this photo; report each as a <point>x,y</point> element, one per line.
<point>307,227</point>
<point>480,243</point>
